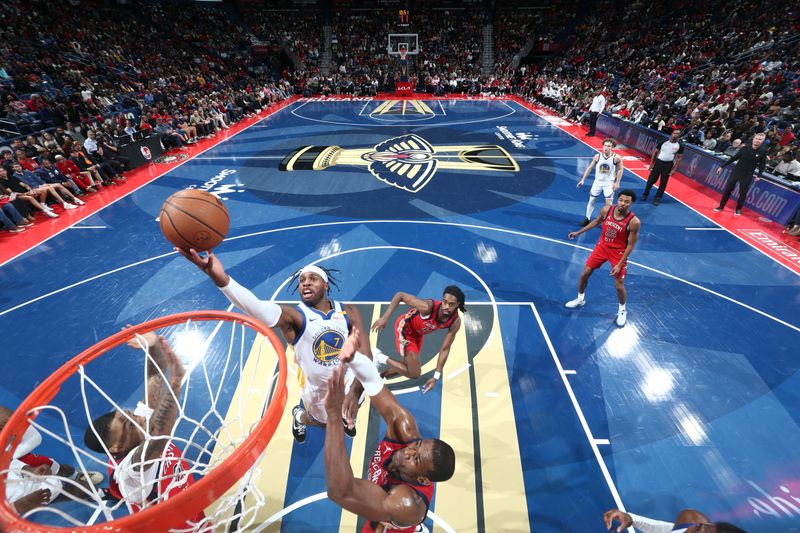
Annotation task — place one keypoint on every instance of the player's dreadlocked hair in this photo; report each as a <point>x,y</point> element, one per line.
<point>459,294</point>
<point>332,281</point>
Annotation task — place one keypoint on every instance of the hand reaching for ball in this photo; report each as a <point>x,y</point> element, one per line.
<point>209,263</point>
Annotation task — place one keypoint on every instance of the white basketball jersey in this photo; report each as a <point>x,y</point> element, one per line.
<point>316,351</point>
<point>605,170</point>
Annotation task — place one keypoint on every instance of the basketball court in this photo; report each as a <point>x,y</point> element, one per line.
<point>555,415</point>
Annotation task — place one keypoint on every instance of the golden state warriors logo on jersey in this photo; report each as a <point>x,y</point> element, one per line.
<point>605,168</point>
<point>326,347</point>
<point>407,162</point>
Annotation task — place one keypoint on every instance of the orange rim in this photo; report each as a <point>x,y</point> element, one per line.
<point>191,501</point>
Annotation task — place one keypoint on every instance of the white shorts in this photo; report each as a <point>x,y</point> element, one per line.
<point>605,187</point>
<point>19,484</point>
<point>313,396</point>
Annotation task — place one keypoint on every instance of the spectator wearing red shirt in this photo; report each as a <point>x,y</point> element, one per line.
<point>82,179</point>
<point>788,136</point>
<point>27,163</point>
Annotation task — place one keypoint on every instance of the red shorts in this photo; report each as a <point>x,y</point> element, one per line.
<point>602,253</point>
<point>405,343</point>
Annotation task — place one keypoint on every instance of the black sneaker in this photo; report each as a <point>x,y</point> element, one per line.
<point>644,197</point>
<point>350,432</point>
<point>585,222</point>
<point>298,429</point>
<point>656,201</point>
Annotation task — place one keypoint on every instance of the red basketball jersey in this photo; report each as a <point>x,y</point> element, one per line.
<point>173,477</point>
<point>416,326</point>
<point>379,475</point>
<point>614,233</point>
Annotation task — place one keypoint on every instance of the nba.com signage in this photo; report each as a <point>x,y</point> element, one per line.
<point>768,198</point>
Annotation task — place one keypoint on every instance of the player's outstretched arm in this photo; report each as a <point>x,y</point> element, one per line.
<point>593,224</point>
<point>209,264</point>
<point>270,313</point>
<point>444,353</point>
<point>401,505</point>
<point>423,306</point>
<point>400,424</point>
<point>164,389</point>
<point>587,171</point>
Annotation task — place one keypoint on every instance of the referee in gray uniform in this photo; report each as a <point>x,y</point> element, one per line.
<point>747,159</point>
<point>663,163</point>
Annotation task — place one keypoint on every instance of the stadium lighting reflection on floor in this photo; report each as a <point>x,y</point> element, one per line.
<point>657,384</point>
<point>622,342</point>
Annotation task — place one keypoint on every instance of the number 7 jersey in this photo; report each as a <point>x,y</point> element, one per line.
<point>316,352</point>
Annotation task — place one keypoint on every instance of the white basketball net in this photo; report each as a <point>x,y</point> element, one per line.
<point>218,356</point>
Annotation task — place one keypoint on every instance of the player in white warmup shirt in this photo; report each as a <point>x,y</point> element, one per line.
<point>607,176</point>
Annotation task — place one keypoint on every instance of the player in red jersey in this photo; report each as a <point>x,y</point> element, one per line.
<point>619,233</point>
<point>425,316</point>
<point>402,473</point>
<point>146,466</point>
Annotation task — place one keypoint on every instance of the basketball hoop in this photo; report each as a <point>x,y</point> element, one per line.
<point>403,52</point>
<point>222,434</point>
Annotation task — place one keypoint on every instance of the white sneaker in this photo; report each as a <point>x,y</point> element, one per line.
<point>79,201</point>
<point>94,478</point>
<point>622,317</point>
<point>68,206</point>
<point>574,304</point>
<point>50,213</point>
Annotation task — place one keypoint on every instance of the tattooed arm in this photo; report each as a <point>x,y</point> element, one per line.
<point>162,397</point>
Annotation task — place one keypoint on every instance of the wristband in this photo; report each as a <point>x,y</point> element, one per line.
<point>437,375</point>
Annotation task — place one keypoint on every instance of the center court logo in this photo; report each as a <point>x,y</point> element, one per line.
<point>407,162</point>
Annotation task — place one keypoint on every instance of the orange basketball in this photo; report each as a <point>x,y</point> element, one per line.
<point>194,219</point>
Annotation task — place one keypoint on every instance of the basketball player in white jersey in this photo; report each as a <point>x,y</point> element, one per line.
<point>317,328</point>
<point>607,176</point>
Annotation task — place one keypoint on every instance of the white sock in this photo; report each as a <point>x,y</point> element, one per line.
<point>590,207</point>
<point>621,307</point>
<point>581,296</point>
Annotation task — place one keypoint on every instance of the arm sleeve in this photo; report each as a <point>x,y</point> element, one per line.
<point>648,525</point>
<point>267,312</point>
<point>365,371</point>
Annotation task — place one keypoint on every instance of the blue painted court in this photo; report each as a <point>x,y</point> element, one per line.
<point>555,415</point>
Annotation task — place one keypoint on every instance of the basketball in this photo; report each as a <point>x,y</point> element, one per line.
<point>194,219</point>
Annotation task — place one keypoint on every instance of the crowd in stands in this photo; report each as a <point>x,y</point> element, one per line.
<point>719,71</point>
<point>360,64</point>
<point>298,30</point>
<point>80,79</point>
<point>451,43</point>
<point>91,65</point>
<point>514,28</point>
